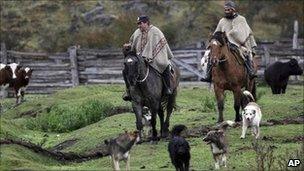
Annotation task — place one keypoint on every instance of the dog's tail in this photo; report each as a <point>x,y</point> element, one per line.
<point>247,97</point>
<point>247,94</point>
<point>224,125</point>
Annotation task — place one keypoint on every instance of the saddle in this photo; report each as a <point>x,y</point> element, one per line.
<point>239,53</point>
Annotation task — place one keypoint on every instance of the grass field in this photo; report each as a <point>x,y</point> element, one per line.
<point>82,115</point>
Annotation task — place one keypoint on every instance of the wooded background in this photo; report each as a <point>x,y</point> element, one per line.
<point>77,42</point>
<point>52,26</point>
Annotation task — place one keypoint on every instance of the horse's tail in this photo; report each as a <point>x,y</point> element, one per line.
<point>253,91</point>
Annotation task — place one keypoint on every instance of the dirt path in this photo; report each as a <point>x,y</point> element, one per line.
<point>204,129</point>
<point>57,155</point>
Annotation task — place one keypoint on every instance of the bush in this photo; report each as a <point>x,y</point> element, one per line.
<point>67,117</point>
<point>208,104</point>
<point>267,160</point>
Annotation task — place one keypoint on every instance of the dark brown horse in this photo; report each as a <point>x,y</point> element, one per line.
<point>228,73</point>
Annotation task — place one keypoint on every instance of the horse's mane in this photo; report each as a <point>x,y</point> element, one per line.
<point>220,36</point>
<point>128,52</point>
<point>132,53</point>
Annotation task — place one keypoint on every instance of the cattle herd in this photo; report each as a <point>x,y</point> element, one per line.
<point>17,78</point>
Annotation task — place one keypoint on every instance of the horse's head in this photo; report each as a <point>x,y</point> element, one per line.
<point>133,65</point>
<point>216,44</point>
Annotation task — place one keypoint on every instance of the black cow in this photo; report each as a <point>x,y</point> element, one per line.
<point>6,75</point>
<point>277,75</point>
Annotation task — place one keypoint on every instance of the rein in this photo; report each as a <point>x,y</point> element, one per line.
<point>146,76</point>
<point>222,60</point>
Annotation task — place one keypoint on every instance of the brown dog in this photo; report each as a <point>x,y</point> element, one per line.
<point>218,143</point>
<point>119,148</point>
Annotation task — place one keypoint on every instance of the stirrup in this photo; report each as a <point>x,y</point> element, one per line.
<point>126,97</point>
<point>206,80</point>
<point>252,76</point>
<point>168,91</point>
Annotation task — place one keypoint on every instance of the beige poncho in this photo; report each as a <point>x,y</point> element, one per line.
<point>238,31</point>
<point>153,46</point>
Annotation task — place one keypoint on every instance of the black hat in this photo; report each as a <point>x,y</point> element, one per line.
<point>142,18</point>
<point>230,4</point>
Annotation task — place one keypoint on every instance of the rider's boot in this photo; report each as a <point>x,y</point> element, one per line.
<point>249,67</point>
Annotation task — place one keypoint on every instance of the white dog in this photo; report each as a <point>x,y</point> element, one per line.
<point>252,116</point>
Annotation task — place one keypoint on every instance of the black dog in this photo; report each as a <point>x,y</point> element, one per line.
<point>179,148</point>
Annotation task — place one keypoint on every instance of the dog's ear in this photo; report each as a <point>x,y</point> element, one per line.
<point>106,142</point>
<point>253,111</point>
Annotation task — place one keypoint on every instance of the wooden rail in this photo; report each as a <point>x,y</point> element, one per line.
<point>53,71</point>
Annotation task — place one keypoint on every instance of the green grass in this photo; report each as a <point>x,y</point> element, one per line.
<point>90,105</point>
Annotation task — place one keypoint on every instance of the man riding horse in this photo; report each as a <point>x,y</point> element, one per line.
<point>150,43</point>
<point>239,35</point>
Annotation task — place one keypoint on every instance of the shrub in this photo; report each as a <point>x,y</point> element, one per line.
<point>208,104</point>
<point>69,117</point>
<point>264,156</point>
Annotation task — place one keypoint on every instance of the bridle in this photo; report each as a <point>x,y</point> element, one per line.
<point>146,75</point>
<point>138,80</point>
<point>216,61</point>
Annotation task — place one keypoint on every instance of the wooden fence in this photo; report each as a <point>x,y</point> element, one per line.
<point>53,71</point>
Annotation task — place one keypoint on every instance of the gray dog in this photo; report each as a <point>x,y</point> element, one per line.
<point>218,143</point>
<point>119,148</point>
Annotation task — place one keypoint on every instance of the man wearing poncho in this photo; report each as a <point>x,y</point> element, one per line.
<point>150,43</point>
<point>239,34</point>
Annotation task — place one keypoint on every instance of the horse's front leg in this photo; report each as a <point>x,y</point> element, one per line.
<point>219,93</point>
<point>153,124</point>
<point>138,108</point>
<point>237,93</point>
<point>161,119</point>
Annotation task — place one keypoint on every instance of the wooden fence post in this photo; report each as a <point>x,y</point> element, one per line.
<point>3,53</point>
<point>74,66</point>
<point>266,56</point>
<point>199,57</point>
<point>295,35</point>
<point>4,61</point>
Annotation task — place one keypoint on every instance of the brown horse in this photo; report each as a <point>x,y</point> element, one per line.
<point>228,73</point>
